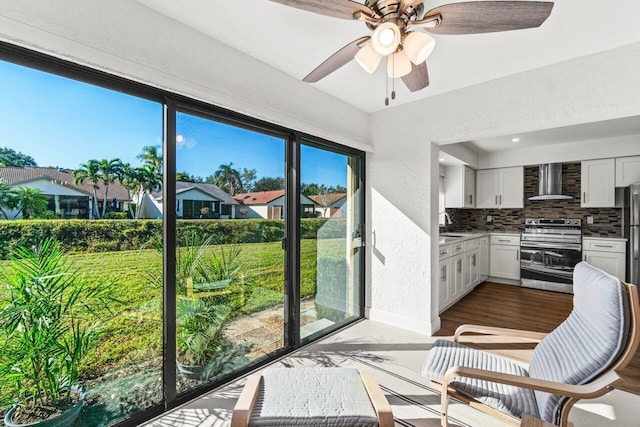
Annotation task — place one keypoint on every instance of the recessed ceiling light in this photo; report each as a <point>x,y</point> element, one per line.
<point>515,140</point>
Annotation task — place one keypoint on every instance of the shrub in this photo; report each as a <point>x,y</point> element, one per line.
<point>115,215</point>
<point>77,235</point>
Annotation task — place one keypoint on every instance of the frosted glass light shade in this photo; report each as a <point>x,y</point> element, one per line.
<point>398,65</point>
<point>386,38</point>
<point>418,46</point>
<point>368,58</point>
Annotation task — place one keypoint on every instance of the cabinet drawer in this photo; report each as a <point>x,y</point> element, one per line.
<point>445,251</point>
<point>509,240</point>
<point>457,248</point>
<point>603,245</point>
<point>471,244</point>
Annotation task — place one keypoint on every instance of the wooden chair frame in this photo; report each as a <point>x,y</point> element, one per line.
<point>601,385</point>
<point>246,401</point>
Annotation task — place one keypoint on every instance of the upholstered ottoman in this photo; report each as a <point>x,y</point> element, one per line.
<point>312,397</point>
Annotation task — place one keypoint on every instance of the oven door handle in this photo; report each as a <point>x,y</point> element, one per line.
<point>558,246</point>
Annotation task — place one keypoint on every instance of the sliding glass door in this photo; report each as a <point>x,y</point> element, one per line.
<point>229,204</point>
<point>331,245</point>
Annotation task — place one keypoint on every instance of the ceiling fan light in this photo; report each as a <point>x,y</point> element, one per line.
<point>418,46</point>
<point>386,38</point>
<point>398,65</point>
<point>368,58</point>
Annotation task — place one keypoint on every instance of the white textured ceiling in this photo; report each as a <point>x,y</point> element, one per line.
<point>296,41</point>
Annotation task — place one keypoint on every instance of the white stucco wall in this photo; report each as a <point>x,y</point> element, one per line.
<point>399,228</point>
<point>51,188</point>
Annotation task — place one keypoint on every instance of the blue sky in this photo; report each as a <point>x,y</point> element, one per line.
<point>62,122</point>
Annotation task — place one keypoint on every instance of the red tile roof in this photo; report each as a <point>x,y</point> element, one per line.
<point>328,198</point>
<point>259,198</point>
<point>16,176</point>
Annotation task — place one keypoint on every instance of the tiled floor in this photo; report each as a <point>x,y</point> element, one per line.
<point>396,350</point>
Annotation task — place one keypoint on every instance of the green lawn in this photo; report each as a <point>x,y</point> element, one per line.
<point>134,331</point>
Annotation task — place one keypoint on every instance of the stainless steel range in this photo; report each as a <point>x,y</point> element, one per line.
<point>549,250</point>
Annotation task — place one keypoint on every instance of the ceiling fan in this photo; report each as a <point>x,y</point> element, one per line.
<point>394,24</point>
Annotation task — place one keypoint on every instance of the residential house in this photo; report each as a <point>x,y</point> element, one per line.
<point>193,200</point>
<point>66,198</point>
<point>270,205</point>
<point>330,205</point>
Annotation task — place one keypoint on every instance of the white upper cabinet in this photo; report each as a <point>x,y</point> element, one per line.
<point>500,188</point>
<point>459,187</point>
<point>511,188</point>
<point>598,183</point>
<point>487,188</point>
<point>627,171</point>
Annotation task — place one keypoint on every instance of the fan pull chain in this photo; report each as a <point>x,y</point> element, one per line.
<point>393,79</point>
<point>386,86</point>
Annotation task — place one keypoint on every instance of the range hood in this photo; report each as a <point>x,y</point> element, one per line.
<point>550,183</point>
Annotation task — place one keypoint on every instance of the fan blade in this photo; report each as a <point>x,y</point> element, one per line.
<point>489,16</point>
<point>343,9</point>
<point>336,60</point>
<point>418,78</point>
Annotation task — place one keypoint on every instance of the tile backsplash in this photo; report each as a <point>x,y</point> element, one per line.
<point>607,221</point>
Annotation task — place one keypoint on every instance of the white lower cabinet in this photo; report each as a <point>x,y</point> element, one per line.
<point>505,257</point>
<point>457,276</point>
<point>445,279</point>
<point>470,269</point>
<point>606,254</point>
<point>460,266</point>
<point>483,264</point>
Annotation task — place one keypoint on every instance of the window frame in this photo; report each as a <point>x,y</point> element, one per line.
<point>172,102</point>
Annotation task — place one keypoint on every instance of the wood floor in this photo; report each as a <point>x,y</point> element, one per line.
<point>508,306</point>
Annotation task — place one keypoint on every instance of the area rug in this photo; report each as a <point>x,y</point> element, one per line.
<point>414,403</point>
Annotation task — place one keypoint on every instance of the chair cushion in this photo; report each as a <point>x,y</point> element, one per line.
<point>586,344</point>
<point>511,400</point>
<point>312,397</point>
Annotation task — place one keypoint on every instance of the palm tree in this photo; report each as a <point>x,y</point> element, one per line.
<point>7,198</point>
<point>30,201</point>
<point>152,155</point>
<point>129,178</point>
<point>109,170</point>
<point>89,171</point>
<point>228,178</point>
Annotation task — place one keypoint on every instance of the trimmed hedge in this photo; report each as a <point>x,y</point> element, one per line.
<point>117,235</point>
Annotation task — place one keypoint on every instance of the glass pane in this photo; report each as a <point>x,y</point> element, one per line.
<point>73,172</point>
<point>330,247</point>
<point>230,197</point>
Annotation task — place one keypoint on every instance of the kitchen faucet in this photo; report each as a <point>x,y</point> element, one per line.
<point>447,218</point>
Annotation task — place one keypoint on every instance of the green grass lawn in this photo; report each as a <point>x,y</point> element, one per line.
<point>133,332</point>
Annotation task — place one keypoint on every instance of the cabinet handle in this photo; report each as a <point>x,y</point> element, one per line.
<point>459,266</point>
<point>459,247</point>
<point>471,199</point>
<point>473,260</point>
<point>584,197</point>
<point>443,274</point>
<point>517,255</point>
<point>501,199</point>
<point>503,240</point>
<point>496,199</point>
<point>443,252</point>
<point>585,257</point>
<point>604,246</point>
